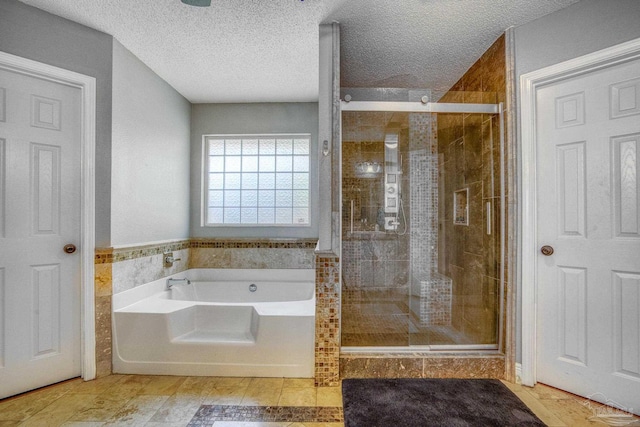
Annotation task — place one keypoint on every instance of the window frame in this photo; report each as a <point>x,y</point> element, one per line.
<point>206,138</point>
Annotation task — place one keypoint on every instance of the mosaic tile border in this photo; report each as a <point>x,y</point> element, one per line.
<point>103,256</point>
<point>125,254</point>
<point>253,244</point>
<point>207,415</point>
<point>111,255</point>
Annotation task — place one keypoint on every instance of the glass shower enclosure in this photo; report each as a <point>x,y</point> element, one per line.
<point>421,225</point>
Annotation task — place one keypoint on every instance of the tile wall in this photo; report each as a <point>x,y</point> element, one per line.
<point>327,350</point>
<point>469,147</point>
<point>375,263</point>
<point>207,253</point>
<point>389,365</point>
<point>431,291</point>
<point>103,292</point>
<point>120,269</point>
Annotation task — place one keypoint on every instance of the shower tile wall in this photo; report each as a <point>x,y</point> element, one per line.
<point>431,292</point>
<point>470,158</point>
<point>375,264</point>
<point>469,256</point>
<point>375,258</point>
<point>380,269</point>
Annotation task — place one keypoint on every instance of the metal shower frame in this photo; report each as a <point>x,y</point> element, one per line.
<point>454,108</point>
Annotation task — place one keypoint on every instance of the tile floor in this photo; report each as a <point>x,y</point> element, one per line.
<point>167,401</point>
<point>391,323</point>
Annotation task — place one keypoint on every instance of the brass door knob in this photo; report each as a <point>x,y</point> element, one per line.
<point>546,250</point>
<point>70,248</point>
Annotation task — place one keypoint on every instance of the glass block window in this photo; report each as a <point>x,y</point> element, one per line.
<point>257,180</point>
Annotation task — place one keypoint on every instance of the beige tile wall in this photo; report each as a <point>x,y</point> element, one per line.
<point>469,145</point>
<point>421,366</point>
<point>327,350</point>
<point>103,291</point>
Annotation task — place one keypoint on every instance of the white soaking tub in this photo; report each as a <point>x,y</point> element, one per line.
<point>226,322</point>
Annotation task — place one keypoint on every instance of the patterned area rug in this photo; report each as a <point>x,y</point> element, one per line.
<point>209,414</point>
<point>432,402</point>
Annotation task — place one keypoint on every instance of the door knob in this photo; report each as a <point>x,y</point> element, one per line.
<point>70,248</point>
<point>546,250</point>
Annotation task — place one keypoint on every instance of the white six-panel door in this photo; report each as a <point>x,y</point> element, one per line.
<point>40,184</point>
<point>588,211</point>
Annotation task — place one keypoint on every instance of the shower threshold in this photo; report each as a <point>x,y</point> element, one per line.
<point>462,348</point>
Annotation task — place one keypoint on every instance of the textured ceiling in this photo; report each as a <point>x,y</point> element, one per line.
<point>267,50</point>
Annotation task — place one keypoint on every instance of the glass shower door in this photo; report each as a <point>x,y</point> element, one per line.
<point>455,233</point>
<point>375,261</point>
<point>420,229</point>
<point>458,298</point>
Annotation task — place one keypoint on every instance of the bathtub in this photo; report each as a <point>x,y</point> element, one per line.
<point>217,325</point>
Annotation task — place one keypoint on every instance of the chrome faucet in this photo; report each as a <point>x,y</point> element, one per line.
<point>171,282</point>
<point>169,259</point>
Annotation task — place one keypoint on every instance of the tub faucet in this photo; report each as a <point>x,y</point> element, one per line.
<point>171,282</point>
<point>169,259</point>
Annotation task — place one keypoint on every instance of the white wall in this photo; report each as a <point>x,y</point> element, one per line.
<point>35,34</point>
<point>255,118</point>
<point>150,155</point>
<point>582,28</point>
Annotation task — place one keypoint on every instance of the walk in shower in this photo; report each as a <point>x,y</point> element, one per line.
<point>421,224</point>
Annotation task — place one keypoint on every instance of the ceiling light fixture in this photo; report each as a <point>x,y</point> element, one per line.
<point>199,3</point>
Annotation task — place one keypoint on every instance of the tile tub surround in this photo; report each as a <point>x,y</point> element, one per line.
<point>327,347</point>
<point>136,265</point>
<point>252,254</point>
<point>120,269</point>
<point>103,292</point>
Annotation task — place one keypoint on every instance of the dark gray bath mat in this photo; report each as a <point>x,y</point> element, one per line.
<point>432,402</point>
